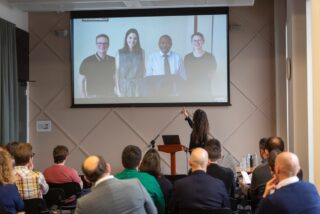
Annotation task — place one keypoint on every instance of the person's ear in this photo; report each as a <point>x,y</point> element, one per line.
<point>108,168</point>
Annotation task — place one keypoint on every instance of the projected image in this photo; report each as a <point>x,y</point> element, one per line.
<point>150,60</point>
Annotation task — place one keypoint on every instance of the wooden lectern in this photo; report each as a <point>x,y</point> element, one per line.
<point>172,149</point>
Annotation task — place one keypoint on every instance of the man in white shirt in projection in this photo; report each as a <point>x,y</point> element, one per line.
<point>165,72</point>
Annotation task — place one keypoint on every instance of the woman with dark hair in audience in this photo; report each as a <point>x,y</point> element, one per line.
<point>10,200</point>
<point>151,164</point>
<point>200,128</point>
<point>129,66</point>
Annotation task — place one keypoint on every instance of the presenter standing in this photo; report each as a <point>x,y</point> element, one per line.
<point>200,128</point>
<point>129,66</point>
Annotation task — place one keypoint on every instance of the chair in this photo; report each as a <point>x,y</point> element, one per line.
<point>206,211</point>
<point>64,196</point>
<point>35,206</point>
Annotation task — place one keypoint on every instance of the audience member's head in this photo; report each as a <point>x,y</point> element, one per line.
<point>262,148</point>
<point>274,143</point>
<point>151,163</point>
<point>60,153</point>
<point>272,159</point>
<point>6,174</point>
<point>198,159</point>
<point>213,147</point>
<point>95,167</point>
<point>23,154</point>
<point>287,165</point>
<point>11,147</point>
<point>131,157</point>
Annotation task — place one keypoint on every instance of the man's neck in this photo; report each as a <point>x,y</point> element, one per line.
<point>198,52</point>
<point>102,55</point>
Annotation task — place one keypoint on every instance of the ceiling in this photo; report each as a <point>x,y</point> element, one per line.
<point>70,5</point>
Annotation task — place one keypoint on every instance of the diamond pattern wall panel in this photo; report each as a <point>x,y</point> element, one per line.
<point>106,131</point>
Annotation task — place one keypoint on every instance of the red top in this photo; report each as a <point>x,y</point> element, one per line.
<point>59,173</point>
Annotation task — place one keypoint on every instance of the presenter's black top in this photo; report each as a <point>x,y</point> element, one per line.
<point>193,144</point>
<point>99,74</point>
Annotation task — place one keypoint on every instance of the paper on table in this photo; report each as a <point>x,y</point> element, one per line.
<point>245,177</point>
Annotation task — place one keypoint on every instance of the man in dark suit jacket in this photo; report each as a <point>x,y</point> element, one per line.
<point>198,190</point>
<point>110,195</point>
<point>262,173</point>
<point>213,147</point>
<point>285,194</point>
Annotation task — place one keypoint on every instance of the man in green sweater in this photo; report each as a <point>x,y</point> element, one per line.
<point>131,158</point>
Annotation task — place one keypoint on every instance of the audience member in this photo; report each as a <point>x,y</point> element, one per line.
<point>11,147</point>
<point>262,173</point>
<point>151,164</point>
<point>262,147</point>
<point>131,158</point>
<point>213,147</point>
<point>198,190</point>
<point>10,200</point>
<point>200,128</point>
<point>58,172</point>
<point>110,195</point>
<point>30,184</point>
<point>291,195</point>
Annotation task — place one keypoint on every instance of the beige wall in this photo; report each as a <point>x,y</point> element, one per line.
<point>107,131</point>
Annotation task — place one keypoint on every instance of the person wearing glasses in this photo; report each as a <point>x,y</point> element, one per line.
<point>200,67</point>
<point>31,184</point>
<point>97,71</point>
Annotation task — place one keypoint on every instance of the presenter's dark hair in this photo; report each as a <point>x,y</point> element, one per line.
<point>98,172</point>
<point>137,48</point>
<point>213,147</point>
<point>60,153</point>
<point>151,163</point>
<point>262,143</point>
<point>102,35</point>
<point>200,127</point>
<point>275,143</point>
<point>197,34</point>
<point>131,157</point>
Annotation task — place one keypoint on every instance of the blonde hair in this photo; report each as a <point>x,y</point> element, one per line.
<point>6,171</point>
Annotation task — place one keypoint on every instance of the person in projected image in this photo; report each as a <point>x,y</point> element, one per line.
<point>129,66</point>
<point>97,71</point>
<point>200,67</point>
<point>165,73</point>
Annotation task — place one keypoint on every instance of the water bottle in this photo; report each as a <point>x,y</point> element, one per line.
<point>248,162</point>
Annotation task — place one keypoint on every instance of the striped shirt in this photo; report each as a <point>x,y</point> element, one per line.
<point>30,184</point>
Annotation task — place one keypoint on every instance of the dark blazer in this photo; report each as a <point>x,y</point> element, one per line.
<point>260,176</point>
<point>224,174</point>
<point>296,198</point>
<point>198,190</point>
<point>116,196</point>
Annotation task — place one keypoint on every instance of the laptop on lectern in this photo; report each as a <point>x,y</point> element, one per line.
<point>171,139</point>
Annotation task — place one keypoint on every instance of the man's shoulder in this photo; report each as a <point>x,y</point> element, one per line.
<point>90,58</point>
<point>261,168</point>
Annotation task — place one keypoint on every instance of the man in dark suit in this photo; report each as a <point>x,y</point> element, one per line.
<point>198,190</point>
<point>110,195</point>
<point>262,173</point>
<point>213,147</point>
<point>285,194</point>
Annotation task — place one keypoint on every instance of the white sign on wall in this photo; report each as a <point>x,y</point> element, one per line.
<point>44,126</point>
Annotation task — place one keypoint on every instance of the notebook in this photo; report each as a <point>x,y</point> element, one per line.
<point>171,139</point>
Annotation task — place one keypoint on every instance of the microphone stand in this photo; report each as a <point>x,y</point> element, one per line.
<point>153,142</point>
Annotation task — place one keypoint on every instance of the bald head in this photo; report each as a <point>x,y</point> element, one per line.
<point>199,159</point>
<point>287,165</point>
<point>94,167</point>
